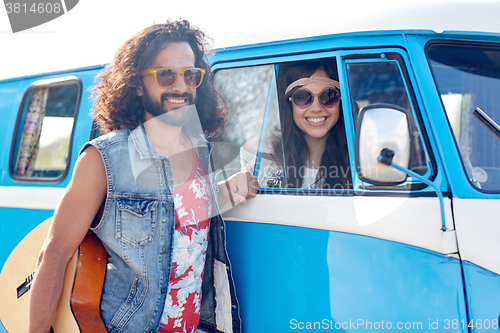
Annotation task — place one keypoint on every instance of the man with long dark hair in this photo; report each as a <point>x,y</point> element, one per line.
<point>144,188</point>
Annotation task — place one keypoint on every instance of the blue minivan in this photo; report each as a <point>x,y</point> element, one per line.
<point>417,254</point>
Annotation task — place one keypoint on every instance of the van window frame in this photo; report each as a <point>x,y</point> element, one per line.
<point>276,61</point>
<point>400,57</point>
<point>15,144</point>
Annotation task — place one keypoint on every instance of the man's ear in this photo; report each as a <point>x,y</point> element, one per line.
<point>139,91</point>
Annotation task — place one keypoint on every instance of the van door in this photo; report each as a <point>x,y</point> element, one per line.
<point>358,257</point>
<point>467,76</point>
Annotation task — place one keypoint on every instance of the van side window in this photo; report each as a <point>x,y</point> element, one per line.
<point>468,80</point>
<point>249,94</point>
<point>376,81</point>
<point>274,118</point>
<point>313,129</point>
<point>42,141</point>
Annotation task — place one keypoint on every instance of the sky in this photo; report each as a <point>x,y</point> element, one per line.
<point>90,33</point>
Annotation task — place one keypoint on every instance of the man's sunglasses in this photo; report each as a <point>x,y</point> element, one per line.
<point>304,98</point>
<point>167,77</point>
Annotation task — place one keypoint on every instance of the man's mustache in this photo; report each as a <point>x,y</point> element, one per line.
<point>187,95</point>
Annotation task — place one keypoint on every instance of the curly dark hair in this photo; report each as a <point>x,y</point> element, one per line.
<point>117,104</point>
<point>293,142</point>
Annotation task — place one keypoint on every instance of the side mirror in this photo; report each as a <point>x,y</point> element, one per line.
<point>382,126</point>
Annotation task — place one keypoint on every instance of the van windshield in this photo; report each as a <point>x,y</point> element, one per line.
<point>468,77</point>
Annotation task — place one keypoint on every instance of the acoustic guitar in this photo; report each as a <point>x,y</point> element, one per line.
<point>78,308</point>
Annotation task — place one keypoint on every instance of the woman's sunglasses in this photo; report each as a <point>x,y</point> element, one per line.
<point>167,77</point>
<point>304,98</point>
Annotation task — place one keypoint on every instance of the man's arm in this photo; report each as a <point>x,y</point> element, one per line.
<point>84,195</point>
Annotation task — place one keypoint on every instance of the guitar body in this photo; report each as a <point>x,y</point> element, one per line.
<point>78,308</point>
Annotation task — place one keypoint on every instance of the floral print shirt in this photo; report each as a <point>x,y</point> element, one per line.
<point>192,209</point>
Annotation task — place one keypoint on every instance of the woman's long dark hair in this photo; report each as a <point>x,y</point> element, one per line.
<point>334,171</point>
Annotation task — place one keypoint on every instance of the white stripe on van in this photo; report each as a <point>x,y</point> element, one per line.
<point>30,197</point>
<point>478,231</point>
<point>409,220</point>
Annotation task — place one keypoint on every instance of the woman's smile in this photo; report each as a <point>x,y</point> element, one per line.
<point>316,120</point>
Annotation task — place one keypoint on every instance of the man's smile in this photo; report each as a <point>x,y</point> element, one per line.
<point>176,100</point>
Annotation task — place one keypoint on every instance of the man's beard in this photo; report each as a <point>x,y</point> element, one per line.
<point>171,118</point>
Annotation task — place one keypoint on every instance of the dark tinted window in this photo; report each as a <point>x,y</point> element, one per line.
<point>468,78</point>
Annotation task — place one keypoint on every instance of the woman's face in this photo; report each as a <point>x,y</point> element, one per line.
<point>316,120</point>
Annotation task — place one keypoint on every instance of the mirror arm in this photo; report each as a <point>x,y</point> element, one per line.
<point>386,156</point>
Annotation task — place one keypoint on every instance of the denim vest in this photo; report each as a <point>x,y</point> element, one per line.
<point>137,229</point>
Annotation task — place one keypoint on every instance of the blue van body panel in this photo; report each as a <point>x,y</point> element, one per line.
<point>287,275</point>
<point>483,290</point>
<point>17,223</point>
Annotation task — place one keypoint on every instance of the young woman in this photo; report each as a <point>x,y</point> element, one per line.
<point>312,131</point>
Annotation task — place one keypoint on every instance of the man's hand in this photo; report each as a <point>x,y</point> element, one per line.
<point>237,188</point>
